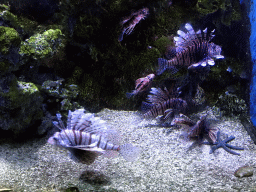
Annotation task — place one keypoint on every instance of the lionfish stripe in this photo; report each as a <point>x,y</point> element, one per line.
<point>75,137</point>
<point>66,134</point>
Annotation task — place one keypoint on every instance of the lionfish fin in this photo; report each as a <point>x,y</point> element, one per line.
<point>110,154</point>
<point>170,52</point>
<point>61,124</point>
<point>121,36</point>
<point>218,56</point>
<point>187,39</point>
<point>205,62</point>
<point>158,95</point>
<point>183,119</point>
<point>86,122</point>
<point>163,65</point>
<point>145,107</point>
<point>168,115</point>
<point>56,124</point>
<point>81,156</point>
<point>129,95</point>
<point>129,152</point>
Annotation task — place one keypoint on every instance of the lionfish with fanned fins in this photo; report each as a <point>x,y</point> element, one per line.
<point>86,137</point>
<point>196,130</point>
<point>160,103</point>
<point>193,49</point>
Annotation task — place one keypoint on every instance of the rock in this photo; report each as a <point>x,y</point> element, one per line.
<point>245,171</point>
<point>20,104</point>
<point>9,56</point>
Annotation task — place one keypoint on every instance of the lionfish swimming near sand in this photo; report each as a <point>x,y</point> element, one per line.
<point>160,103</point>
<point>196,130</point>
<point>86,137</point>
<point>141,84</point>
<point>131,21</point>
<point>193,49</point>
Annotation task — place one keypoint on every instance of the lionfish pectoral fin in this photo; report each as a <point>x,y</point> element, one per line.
<point>129,152</point>
<point>84,147</point>
<point>129,29</point>
<point>218,56</point>
<point>168,116</point>
<point>91,149</point>
<point>85,157</point>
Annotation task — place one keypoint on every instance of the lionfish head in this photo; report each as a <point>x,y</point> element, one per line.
<point>145,11</point>
<point>215,51</point>
<point>55,139</point>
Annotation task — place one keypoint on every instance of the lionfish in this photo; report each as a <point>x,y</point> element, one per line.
<point>193,49</point>
<point>131,21</point>
<point>86,137</point>
<point>196,130</point>
<point>160,103</point>
<point>141,84</point>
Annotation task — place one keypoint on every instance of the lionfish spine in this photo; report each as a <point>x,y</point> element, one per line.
<point>160,108</point>
<point>78,138</point>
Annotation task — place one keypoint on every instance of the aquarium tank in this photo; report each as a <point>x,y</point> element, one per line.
<point>118,95</point>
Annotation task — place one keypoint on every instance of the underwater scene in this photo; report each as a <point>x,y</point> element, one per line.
<point>127,96</point>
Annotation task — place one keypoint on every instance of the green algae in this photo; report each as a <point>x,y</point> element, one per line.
<point>8,37</point>
<point>16,22</point>
<point>22,105</point>
<point>43,45</point>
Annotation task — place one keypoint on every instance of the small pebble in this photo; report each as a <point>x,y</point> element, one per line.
<point>245,171</point>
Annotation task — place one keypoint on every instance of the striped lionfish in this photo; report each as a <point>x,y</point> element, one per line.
<point>196,130</point>
<point>141,84</point>
<point>86,137</point>
<point>193,49</point>
<point>160,103</point>
<point>131,21</point>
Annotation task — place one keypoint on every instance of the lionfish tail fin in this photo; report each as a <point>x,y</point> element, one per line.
<point>129,95</point>
<point>163,65</point>
<point>121,36</point>
<point>129,152</point>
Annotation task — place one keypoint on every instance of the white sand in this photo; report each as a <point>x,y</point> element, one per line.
<point>165,163</point>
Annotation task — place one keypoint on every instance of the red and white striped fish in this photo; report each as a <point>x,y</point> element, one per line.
<point>196,130</point>
<point>87,137</point>
<point>160,103</point>
<point>141,84</point>
<point>192,49</point>
<point>132,20</point>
